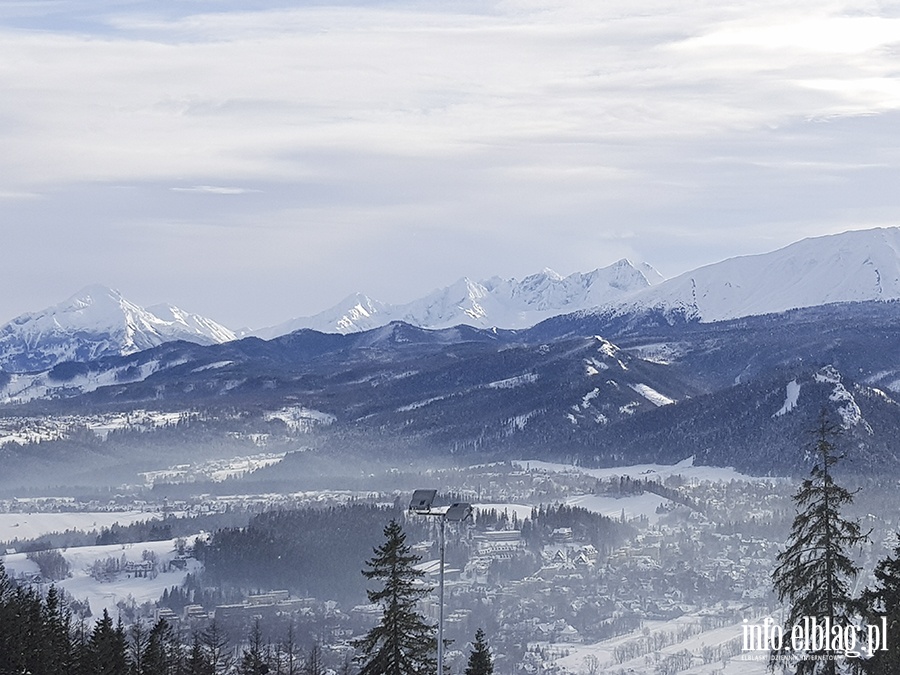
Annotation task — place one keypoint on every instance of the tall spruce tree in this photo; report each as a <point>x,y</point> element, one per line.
<point>480,661</point>
<point>814,572</point>
<point>198,662</point>
<point>106,649</point>
<point>882,604</point>
<point>402,643</point>
<point>164,652</point>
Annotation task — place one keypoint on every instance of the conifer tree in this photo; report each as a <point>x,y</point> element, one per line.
<point>106,648</point>
<point>882,603</point>
<point>137,647</point>
<point>163,655</point>
<point>480,661</point>
<point>402,643</point>
<point>198,662</point>
<point>814,572</point>
<point>57,642</point>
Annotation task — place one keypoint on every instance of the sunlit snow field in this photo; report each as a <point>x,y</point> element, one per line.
<point>105,595</point>
<point>31,525</point>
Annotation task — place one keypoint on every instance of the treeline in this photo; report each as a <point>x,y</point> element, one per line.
<point>311,552</point>
<point>192,592</point>
<point>602,532</point>
<point>626,485</point>
<point>144,530</point>
<point>40,636</point>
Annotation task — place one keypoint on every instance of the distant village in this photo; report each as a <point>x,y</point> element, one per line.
<point>698,561</point>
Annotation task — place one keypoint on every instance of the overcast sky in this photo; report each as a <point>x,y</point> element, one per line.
<point>253,162</point>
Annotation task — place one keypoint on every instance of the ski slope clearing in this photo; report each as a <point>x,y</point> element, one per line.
<point>723,640</point>
<point>522,511</point>
<point>31,525</point>
<point>106,594</point>
<point>633,506</point>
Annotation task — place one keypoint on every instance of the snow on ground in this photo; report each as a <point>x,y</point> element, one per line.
<point>634,506</point>
<point>299,418</point>
<point>23,387</point>
<point>513,382</point>
<point>792,393</point>
<point>105,595</point>
<point>660,472</point>
<point>215,469</point>
<point>522,511</point>
<point>31,525</point>
<point>420,404</point>
<point>748,663</point>
<point>138,419</point>
<point>652,395</point>
<point>660,352</point>
<point>46,428</point>
<point>588,397</point>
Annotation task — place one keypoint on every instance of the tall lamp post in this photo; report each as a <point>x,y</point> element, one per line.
<point>422,504</point>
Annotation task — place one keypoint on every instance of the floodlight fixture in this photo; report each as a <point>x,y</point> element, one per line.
<point>422,500</point>
<point>458,512</point>
<point>421,505</point>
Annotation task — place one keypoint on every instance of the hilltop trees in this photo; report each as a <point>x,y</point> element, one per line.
<point>402,643</point>
<point>480,661</point>
<point>884,601</point>
<point>814,572</point>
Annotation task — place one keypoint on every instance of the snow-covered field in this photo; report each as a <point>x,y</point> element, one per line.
<point>522,511</point>
<point>750,663</point>
<point>214,469</point>
<point>105,595</point>
<point>46,428</point>
<point>684,468</point>
<point>634,506</point>
<point>31,525</point>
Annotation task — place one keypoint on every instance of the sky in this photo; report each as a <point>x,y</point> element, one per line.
<point>259,161</point>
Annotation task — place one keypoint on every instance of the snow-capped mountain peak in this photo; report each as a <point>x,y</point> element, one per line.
<point>357,312</point>
<point>854,266</point>
<point>494,302</point>
<point>98,321</point>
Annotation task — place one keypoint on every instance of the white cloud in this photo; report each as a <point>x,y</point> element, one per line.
<point>213,190</point>
<point>518,134</point>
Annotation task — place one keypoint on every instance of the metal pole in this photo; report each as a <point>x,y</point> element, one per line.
<point>440,660</point>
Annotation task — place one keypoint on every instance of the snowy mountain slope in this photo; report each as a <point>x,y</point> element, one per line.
<point>95,322</point>
<point>850,267</point>
<point>356,312</point>
<point>853,266</point>
<point>764,426</point>
<point>505,303</point>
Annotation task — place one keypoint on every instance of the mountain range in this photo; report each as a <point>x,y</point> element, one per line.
<point>504,303</point>
<point>851,267</point>
<point>732,364</point>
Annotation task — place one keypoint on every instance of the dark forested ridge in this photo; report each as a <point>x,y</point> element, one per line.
<point>733,393</point>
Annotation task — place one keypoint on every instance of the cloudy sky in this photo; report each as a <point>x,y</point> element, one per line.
<point>256,161</point>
